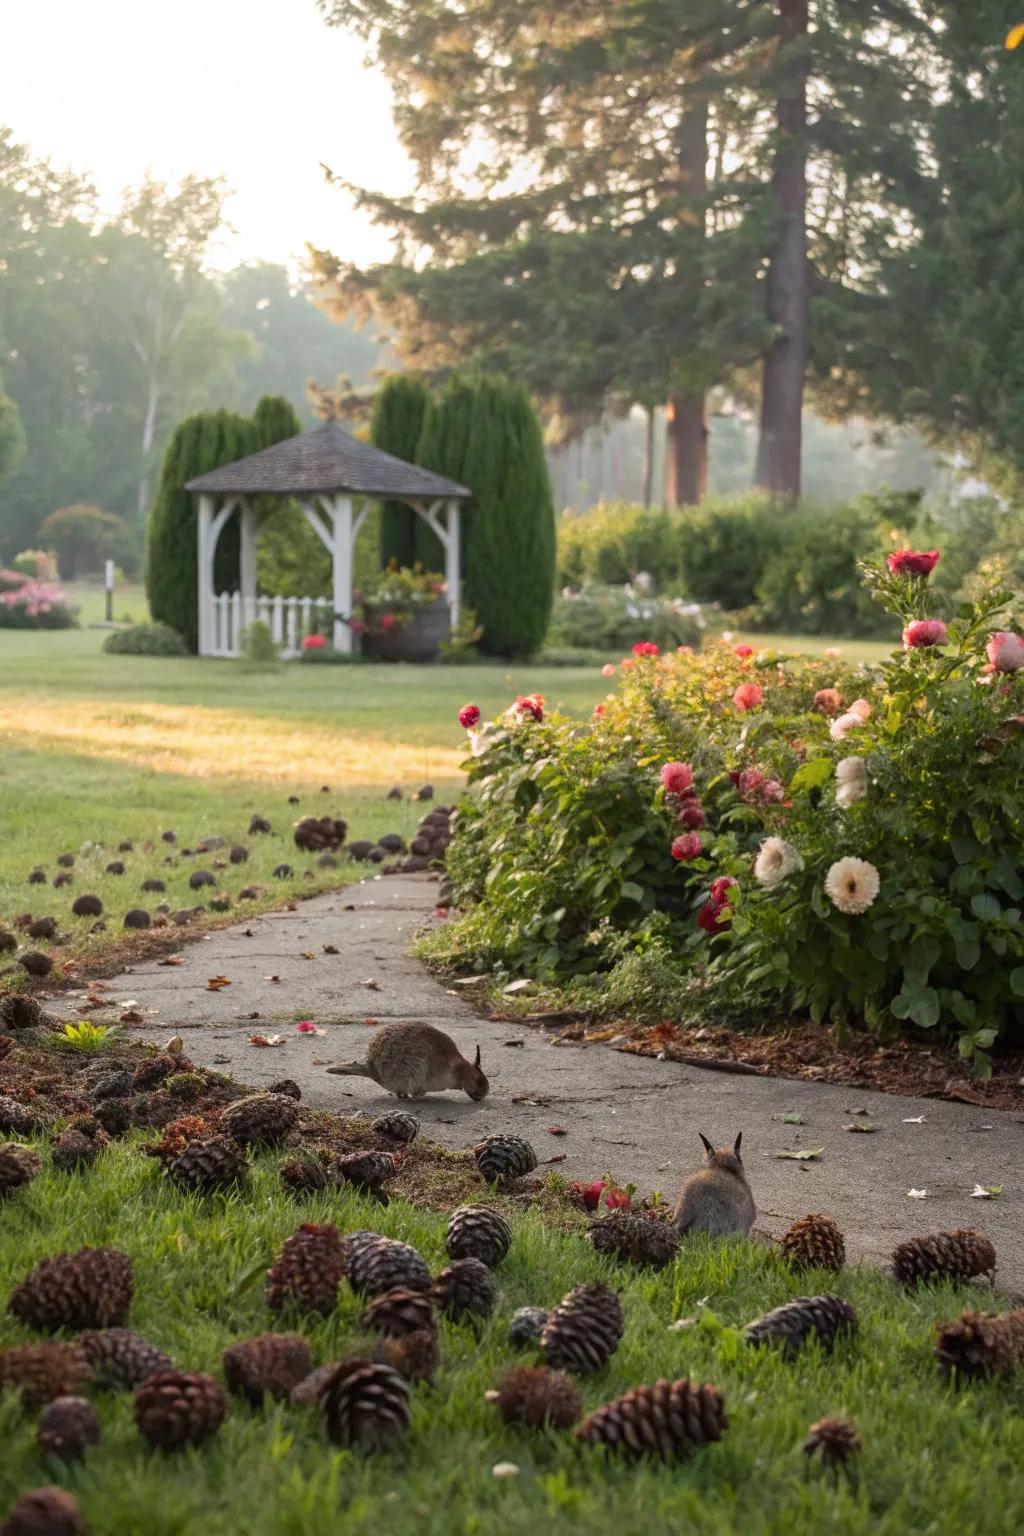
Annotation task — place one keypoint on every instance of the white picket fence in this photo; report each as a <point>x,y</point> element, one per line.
<point>289,619</point>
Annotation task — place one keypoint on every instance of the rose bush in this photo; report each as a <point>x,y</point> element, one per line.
<point>26,603</point>
<point>873,873</point>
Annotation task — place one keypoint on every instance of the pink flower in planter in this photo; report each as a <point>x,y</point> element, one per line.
<point>314,643</point>
<point>748,696</point>
<point>645,648</point>
<point>607,670</point>
<point>923,632</point>
<point>1005,651</point>
<point>676,777</point>
<point>388,621</point>
<point>691,816</point>
<point>908,562</point>
<point>469,716</point>
<point>687,847</point>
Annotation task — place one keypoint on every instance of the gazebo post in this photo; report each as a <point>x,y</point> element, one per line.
<point>341,552</point>
<point>249,520</point>
<point>453,565</point>
<point>204,582</point>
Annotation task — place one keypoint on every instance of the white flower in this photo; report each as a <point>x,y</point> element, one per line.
<point>851,781</point>
<point>775,860</point>
<point>852,885</point>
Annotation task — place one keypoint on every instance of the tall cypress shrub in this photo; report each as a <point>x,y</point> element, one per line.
<point>399,408</point>
<point>485,434</point>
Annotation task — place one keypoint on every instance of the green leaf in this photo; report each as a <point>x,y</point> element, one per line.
<point>985,906</point>
<point>1017,981</point>
<point>924,1008</point>
<point>631,891</point>
<point>811,775</point>
<point>964,846</point>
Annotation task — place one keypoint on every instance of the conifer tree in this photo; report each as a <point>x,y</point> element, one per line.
<point>399,409</point>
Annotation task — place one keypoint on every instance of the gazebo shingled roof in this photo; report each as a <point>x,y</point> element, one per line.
<point>327,458</point>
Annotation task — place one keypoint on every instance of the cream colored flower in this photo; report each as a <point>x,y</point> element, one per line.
<point>851,781</point>
<point>852,885</point>
<point>861,708</point>
<point>842,725</point>
<point>775,860</point>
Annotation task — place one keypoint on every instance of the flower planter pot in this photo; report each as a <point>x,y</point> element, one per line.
<point>418,640</point>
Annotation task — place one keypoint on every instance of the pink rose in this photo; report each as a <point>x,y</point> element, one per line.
<point>1005,651</point>
<point>607,670</point>
<point>748,696</point>
<point>861,708</point>
<point>924,632</point>
<point>388,621</point>
<point>743,651</point>
<point>686,847</point>
<point>531,704</point>
<point>691,816</point>
<point>599,710</point>
<point>676,777</point>
<point>905,562</point>
<point>314,642</point>
<point>306,1027</point>
<point>645,648</point>
<point>684,650</point>
<point>469,716</point>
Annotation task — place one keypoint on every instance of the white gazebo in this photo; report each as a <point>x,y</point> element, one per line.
<point>323,470</point>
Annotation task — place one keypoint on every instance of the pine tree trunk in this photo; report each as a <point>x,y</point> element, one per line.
<point>686,432</point>
<point>786,285</point>
<point>648,492</point>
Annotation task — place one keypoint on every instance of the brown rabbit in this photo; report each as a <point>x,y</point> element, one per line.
<point>717,1198</point>
<point>413,1059</point>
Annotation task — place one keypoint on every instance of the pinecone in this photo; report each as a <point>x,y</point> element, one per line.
<point>308,1270</point>
<point>946,1256</point>
<point>980,1344</point>
<point>365,1404</point>
<point>72,1151</point>
<point>399,1312</point>
<point>669,1419</point>
<point>272,1362</point>
<point>397,1126</point>
<point>501,1159</point>
<point>365,1170</point>
<point>386,1266</point>
<point>208,1165</point>
<point>465,1287</point>
<point>45,1512</point>
<point>18,1165</point>
<point>261,1119</point>
<point>303,1176</point>
<point>67,1428</point>
<point>534,1396</point>
<point>120,1358</point>
<point>584,1330</point>
<point>416,1356</point>
<point>115,1116</point>
<point>288,1086</point>
<point>15,1118</point>
<point>641,1240</point>
<point>814,1242</point>
<point>176,1408</point>
<point>88,1289</point>
<point>793,1323</point>
<point>354,1243</point>
<point>41,1372</point>
<point>526,1324</point>
<point>835,1441</point>
<point>477,1232</point>
<point>151,1072</point>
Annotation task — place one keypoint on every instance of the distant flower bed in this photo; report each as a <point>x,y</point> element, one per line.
<point>792,833</point>
<point>26,603</point>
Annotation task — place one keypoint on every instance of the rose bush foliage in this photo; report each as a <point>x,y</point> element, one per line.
<point>871,825</point>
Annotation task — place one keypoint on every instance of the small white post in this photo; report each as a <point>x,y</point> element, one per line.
<point>277,620</point>
<point>453,565</point>
<point>204,584</point>
<point>236,626</point>
<point>341,517</point>
<point>108,587</point>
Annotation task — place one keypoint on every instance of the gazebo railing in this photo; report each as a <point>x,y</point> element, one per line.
<point>289,619</point>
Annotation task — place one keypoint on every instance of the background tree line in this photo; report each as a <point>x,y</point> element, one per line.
<point>112,329</point>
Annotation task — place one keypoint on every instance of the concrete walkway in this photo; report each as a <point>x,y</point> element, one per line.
<point>634,1116</point>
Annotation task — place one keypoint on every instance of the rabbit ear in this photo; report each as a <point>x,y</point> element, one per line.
<point>709,1149</point>
<point>736,1144</point>
<point>477,1061</point>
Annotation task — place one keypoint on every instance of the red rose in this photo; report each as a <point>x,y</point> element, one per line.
<point>388,621</point>
<point>743,651</point>
<point>925,632</point>
<point>645,648</point>
<point>686,847</point>
<point>714,916</point>
<point>469,716</point>
<point>721,887</point>
<point>735,776</point>
<point>676,777</point>
<point>748,696</point>
<point>314,642</point>
<point>908,562</point>
<point>531,704</point>
<point>691,816</point>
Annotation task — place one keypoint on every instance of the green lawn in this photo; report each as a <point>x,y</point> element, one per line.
<point>935,1460</point>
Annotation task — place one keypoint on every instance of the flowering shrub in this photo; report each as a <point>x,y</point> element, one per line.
<point>861,847</point>
<point>392,600</point>
<point>607,618</point>
<point>26,603</point>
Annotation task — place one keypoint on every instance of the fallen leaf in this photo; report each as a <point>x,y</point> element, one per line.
<point>962,1093</point>
<point>981,1127</point>
<point>132,1016</point>
<point>172,960</point>
<point>373,1024</point>
<point>254,1015</point>
<point>557,1130</point>
<point>790,1119</point>
<point>559,1157</point>
<point>802,1157</point>
<point>514,1043</point>
<point>517,986</point>
<point>916,1194</point>
<point>174,1046</point>
<point>215,983</point>
<point>307,954</point>
<point>914,1119</point>
<point>504,1469</point>
<point>499,1018</point>
<point>247,933</point>
<point>468,981</point>
<point>442,1121</point>
<point>271,978</point>
<point>986,1191</point>
<point>862,1130</point>
<point>860,1111</point>
<point>374,986</point>
<point>266,1040</point>
<point>331,949</point>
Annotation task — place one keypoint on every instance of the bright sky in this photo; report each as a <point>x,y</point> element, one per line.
<point>257,91</point>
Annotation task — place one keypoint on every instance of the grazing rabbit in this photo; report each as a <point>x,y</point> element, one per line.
<point>717,1198</point>
<point>413,1059</point>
